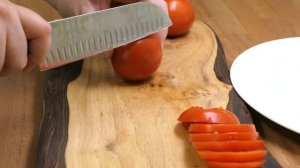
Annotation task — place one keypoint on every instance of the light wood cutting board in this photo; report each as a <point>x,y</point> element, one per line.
<point>93,118</point>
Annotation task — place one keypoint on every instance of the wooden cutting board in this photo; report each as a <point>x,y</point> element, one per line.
<point>93,118</point>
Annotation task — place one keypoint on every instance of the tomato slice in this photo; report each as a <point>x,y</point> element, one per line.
<point>255,164</point>
<point>244,156</point>
<point>221,128</point>
<point>229,145</point>
<point>240,136</point>
<point>208,116</point>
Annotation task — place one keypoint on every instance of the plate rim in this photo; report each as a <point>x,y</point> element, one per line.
<point>237,88</point>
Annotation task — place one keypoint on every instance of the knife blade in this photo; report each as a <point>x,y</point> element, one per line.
<point>86,35</point>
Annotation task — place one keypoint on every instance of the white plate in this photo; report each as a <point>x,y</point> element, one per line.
<point>267,77</point>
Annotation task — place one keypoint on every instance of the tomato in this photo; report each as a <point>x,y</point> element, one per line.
<point>208,116</point>
<point>255,164</point>
<point>182,15</point>
<point>229,145</point>
<point>221,141</point>
<point>239,136</point>
<point>221,128</point>
<point>244,156</point>
<point>138,60</point>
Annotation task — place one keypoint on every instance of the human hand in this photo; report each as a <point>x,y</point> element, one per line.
<point>24,38</point>
<point>69,8</point>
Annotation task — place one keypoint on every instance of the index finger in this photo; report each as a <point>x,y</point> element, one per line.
<point>38,34</point>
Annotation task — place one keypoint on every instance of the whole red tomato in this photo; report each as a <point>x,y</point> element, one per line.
<point>182,15</point>
<point>138,60</point>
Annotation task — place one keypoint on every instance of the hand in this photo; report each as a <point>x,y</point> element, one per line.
<point>67,8</point>
<point>24,38</point>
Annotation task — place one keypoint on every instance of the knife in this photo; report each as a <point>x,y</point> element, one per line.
<point>82,36</point>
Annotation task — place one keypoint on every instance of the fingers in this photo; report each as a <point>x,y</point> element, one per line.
<point>2,44</point>
<point>162,35</point>
<point>77,7</point>
<point>38,34</point>
<point>13,40</point>
<point>122,2</point>
<point>24,38</point>
<point>161,3</point>
<point>100,4</point>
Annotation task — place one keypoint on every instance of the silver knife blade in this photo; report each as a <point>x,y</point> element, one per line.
<point>86,35</point>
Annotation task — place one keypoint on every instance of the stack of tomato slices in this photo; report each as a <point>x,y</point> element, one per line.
<point>221,140</point>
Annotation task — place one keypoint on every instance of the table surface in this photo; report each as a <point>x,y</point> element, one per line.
<point>239,25</point>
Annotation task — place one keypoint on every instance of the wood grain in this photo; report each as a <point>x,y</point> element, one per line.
<point>243,24</point>
<point>107,122</point>
<point>255,21</point>
<point>21,110</point>
<point>54,128</point>
<point>114,123</point>
<point>21,107</point>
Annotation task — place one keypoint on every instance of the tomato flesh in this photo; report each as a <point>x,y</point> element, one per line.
<point>221,141</point>
<point>229,145</point>
<point>221,128</point>
<point>255,164</point>
<point>239,136</point>
<point>208,116</point>
<point>244,156</point>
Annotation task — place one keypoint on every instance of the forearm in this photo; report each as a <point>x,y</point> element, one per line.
<point>69,8</point>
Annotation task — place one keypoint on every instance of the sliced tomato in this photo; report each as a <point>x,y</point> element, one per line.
<point>240,136</point>
<point>255,164</point>
<point>244,156</point>
<point>221,128</point>
<point>229,145</point>
<point>208,116</point>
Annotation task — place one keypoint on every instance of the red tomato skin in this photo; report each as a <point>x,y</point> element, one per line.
<point>244,156</point>
<point>138,60</point>
<point>208,116</point>
<point>233,146</point>
<point>231,136</point>
<point>255,164</point>
<point>182,15</point>
<point>221,128</point>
